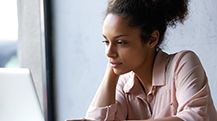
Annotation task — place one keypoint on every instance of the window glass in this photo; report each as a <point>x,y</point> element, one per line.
<point>8,33</point>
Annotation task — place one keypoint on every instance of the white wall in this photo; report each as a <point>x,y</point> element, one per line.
<point>79,53</point>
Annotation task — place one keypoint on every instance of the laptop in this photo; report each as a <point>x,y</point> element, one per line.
<point>18,98</point>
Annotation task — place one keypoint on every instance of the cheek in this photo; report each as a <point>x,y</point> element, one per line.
<point>138,59</point>
<point>134,58</point>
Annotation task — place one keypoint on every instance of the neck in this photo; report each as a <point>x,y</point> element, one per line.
<point>144,73</point>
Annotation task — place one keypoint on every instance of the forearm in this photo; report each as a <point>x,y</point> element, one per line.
<point>105,94</point>
<point>161,119</point>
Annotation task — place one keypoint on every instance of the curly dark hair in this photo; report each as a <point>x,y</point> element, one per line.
<point>150,15</point>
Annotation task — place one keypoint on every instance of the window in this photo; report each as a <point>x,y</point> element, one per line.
<point>8,33</point>
<point>24,40</point>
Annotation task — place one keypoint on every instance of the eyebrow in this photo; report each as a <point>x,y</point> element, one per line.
<point>121,35</point>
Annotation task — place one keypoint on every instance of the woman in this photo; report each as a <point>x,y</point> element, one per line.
<point>141,81</point>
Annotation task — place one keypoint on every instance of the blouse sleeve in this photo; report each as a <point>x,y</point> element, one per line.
<point>192,91</point>
<point>117,111</point>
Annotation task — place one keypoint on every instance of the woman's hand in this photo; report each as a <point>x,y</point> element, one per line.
<point>105,94</point>
<point>110,75</point>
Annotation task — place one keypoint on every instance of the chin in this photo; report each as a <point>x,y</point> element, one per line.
<point>120,72</point>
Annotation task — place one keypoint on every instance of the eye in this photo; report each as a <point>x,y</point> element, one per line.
<point>106,42</point>
<point>121,42</point>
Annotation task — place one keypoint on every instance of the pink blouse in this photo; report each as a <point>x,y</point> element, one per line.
<point>179,88</point>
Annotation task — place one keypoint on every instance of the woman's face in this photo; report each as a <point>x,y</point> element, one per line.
<point>124,48</point>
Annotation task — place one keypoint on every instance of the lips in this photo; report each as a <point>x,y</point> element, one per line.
<point>115,64</point>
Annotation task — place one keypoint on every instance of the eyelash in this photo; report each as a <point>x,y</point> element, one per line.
<point>118,42</point>
<point>121,42</point>
<point>106,42</point>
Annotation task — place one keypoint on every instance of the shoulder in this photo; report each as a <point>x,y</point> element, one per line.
<point>188,69</point>
<point>185,57</point>
<point>185,54</point>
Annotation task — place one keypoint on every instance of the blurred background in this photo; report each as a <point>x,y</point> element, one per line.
<point>8,33</point>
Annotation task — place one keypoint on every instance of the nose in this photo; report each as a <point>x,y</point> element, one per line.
<point>111,51</point>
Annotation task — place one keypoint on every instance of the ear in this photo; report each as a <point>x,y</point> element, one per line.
<point>154,39</point>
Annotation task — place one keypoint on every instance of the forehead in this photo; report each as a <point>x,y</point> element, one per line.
<point>115,24</point>
<point>113,20</point>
